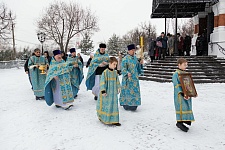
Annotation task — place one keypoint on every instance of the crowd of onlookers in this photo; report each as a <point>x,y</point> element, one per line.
<point>164,45</point>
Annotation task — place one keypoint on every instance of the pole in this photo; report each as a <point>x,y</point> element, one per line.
<point>13,36</point>
<point>42,48</point>
<point>165,25</point>
<point>175,39</point>
<point>142,45</point>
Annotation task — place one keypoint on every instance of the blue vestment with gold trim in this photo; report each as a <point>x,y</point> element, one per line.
<point>183,107</point>
<point>97,59</point>
<point>107,106</point>
<point>62,71</point>
<point>130,92</point>
<point>76,75</point>
<point>37,79</point>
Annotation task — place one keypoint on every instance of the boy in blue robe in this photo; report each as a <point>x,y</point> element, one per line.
<point>130,97</point>
<point>37,79</point>
<point>76,75</point>
<point>58,87</point>
<point>98,64</point>
<point>107,104</point>
<point>183,104</point>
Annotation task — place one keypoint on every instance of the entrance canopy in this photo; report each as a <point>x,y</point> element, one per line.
<point>185,8</point>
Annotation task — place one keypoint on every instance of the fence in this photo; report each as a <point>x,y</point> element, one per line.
<point>12,64</point>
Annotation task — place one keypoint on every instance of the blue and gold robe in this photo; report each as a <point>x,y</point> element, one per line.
<point>96,60</point>
<point>37,79</point>
<point>130,92</point>
<point>183,107</point>
<point>76,75</point>
<point>107,106</point>
<point>62,71</point>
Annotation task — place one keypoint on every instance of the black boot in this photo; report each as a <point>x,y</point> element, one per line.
<point>116,124</point>
<point>96,98</point>
<point>182,127</point>
<point>57,106</point>
<point>75,96</point>
<point>69,107</point>
<point>133,108</point>
<point>187,122</point>
<point>125,107</point>
<point>38,98</point>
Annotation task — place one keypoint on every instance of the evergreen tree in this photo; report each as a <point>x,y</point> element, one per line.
<point>86,44</point>
<point>114,45</point>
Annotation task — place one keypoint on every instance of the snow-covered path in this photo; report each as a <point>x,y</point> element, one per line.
<point>29,124</point>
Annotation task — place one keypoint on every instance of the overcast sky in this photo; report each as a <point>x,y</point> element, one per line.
<point>115,16</point>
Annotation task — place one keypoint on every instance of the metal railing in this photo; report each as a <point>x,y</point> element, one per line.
<point>12,64</point>
<point>221,49</point>
<point>184,1</point>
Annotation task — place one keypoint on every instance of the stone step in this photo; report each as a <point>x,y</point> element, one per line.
<point>193,76</point>
<point>192,56</point>
<point>204,69</point>
<point>196,81</point>
<point>172,70</point>
<point>194,61</point>
<point>193,73</point>
<point>189,67</point>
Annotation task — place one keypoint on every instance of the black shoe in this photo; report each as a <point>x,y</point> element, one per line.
<point>133,108</point>
<point>187,122</point>
<point>57,106</point>
<point>182,127</point>
<point>38,98</point>
<point>125,107</point>
<point>116,124</point>
<point>96,98</point>
<point>42,97</point>
<point>69,107</point>
<point>75,96</point>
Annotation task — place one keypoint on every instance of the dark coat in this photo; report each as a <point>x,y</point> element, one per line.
<point>88,62</point>
<point>152,46</point>
<point>163,40</point>
<point>81,59</point>
<point>187,43</point>
<point>26,66</point>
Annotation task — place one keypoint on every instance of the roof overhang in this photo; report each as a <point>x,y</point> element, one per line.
<point>185,8</point>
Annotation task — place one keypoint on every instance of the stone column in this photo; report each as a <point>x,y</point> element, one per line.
<point>196,30</point>
<point>218,34</point>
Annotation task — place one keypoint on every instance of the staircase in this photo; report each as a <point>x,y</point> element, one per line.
<point>204,69</point>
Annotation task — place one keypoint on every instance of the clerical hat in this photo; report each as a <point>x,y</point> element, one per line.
<point>56,52</point>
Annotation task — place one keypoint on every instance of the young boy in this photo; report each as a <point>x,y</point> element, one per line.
<point>107,104</point>
<point>183,105</point>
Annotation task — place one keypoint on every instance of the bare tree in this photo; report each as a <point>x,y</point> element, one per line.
<point>6,19</point>
<point>62,21</point>
<point>147,30</point>
<point>186,27</point>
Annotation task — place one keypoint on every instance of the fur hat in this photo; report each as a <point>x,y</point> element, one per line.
<point>130,47</point>
<point>102,45</point>
<point>56,52</point>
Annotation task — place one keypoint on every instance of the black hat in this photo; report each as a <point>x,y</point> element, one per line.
<point>56,52</point>
<point>130,47</point>
<point>72,50</point>
<point>102,45</point>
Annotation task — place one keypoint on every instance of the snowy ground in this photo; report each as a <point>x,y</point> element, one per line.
<point>29,124</point>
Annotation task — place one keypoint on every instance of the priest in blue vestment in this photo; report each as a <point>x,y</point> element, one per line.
<point>37,78</point>
<point>76,75</point>
<point>98,64</point>
<point>58,88</point>
<point>130,97</point>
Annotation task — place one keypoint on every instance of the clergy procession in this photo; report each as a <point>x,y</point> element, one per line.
<point>57,81</point>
